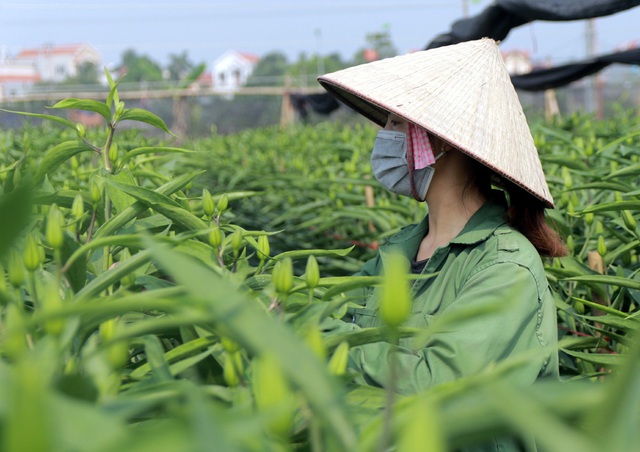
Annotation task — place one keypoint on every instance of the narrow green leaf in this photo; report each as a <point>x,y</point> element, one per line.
<point>57,119</point>
<point>120,199</point>
<point>86,104</point>
<point>608,360</point>
<point>138,114</point>
<point>183,351</point>
<point>155,357</point>
<point>58,155</point>
<point>122,218</point>
<point>112,276</point>
<point>152,150</point>
<point>607,279</point>
<point>612,207</point>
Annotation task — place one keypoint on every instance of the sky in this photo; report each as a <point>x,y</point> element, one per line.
<point>206,29</point>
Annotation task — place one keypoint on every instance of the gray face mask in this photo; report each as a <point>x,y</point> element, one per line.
<point>390,168</point>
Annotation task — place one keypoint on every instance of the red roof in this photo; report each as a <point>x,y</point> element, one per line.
<point>57,50</point>
<point>19,78</point>
<point>250,56</point>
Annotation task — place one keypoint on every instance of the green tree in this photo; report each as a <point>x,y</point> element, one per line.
<point>380,43</point>
<point>179,65</point>
<point>269,71</point>
<point>87,74</point>
<point>140,68</point>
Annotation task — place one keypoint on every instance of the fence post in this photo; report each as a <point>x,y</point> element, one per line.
<point>286,110</point>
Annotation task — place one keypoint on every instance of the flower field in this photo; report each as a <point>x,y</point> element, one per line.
<point>163,298</point>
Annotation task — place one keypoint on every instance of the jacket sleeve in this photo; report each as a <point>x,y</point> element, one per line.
<point>469,346</point>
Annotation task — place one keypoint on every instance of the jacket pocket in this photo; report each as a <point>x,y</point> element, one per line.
<point>365,317</point>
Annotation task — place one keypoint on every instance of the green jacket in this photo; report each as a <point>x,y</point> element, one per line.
<point>489,264</point>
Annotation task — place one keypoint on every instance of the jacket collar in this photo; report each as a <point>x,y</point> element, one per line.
<point>480,226</point>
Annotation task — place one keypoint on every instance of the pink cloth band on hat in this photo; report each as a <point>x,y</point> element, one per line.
<point>418,139</point>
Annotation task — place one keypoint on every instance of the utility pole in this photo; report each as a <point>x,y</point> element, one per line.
<point>465,8</point>
<point>319,57</point>
<point>590,95</point>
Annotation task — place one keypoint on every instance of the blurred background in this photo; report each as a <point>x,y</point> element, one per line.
<point>229,66</point>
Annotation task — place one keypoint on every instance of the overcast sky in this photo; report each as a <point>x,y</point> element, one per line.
<point>208,28</point>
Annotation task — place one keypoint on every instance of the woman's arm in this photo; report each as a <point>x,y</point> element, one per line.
<point>470,345</point>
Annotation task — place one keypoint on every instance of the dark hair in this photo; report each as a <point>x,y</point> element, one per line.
<point>525,212</point>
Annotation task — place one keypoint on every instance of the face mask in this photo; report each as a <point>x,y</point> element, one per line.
<point>390,168</point>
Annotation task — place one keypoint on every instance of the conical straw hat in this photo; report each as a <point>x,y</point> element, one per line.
<point>462,93</point>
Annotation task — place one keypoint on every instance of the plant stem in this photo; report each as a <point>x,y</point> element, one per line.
<point>391,389</point>
<point>106,147</point>
<point>91,224</point>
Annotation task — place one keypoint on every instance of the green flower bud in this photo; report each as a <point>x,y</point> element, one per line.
<point>77,208</point>
<point>263,247</point>
<point>223,203</point>
<point>588,218</point>
<point>570,244</point>
<point>215,237</point>
<point>95,192</point>
<point>113,153</point>
<point>629,220</point>
<point>599,227</point>
<point>229,345</point>
<point>566,177</point>
<point>395,303</point>
<point>272,395</point>
<point>16,269</point>
<point>54,231</point>
<point>602,247</point>
<point>31,254</point>
<point>312,273</point>
<point>81,130</point>
<point>119,109</point>
<point>207,203</point>
<point>75,164</point>
<point>52,302</point>
<point>236,240</point>
<point>232,369</point>
<point>338,362</point>
<point>283,276</point>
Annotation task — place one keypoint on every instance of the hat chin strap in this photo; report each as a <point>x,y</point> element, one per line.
<point>411,165</point>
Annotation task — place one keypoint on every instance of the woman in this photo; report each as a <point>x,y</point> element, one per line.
<point>453,130</point>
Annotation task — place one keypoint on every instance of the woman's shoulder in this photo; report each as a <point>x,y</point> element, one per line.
<point>506,246</point>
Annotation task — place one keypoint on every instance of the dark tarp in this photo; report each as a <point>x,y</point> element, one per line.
<point>497,20</point>
<point>320,103</point>
<point>557,76</point>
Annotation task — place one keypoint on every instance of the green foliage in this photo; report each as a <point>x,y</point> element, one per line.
<point>140,68</point>
<point>139,311</point>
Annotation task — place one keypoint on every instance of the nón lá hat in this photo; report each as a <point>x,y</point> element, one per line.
<point>461,93</point>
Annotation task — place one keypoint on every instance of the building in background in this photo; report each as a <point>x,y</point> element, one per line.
<point>518,62</point>
<point>15,78</point>
<point>57,63</point>
<point>231,70</point>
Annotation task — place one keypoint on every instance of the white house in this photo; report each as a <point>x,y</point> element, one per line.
<point>517,61</point>
<point>56,63</point>
<point>15,78</point>
<point>231,70</point>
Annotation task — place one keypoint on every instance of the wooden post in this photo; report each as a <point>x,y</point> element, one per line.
<point>370,202</point>
<point>287,113</point>
<point>551,108</point>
